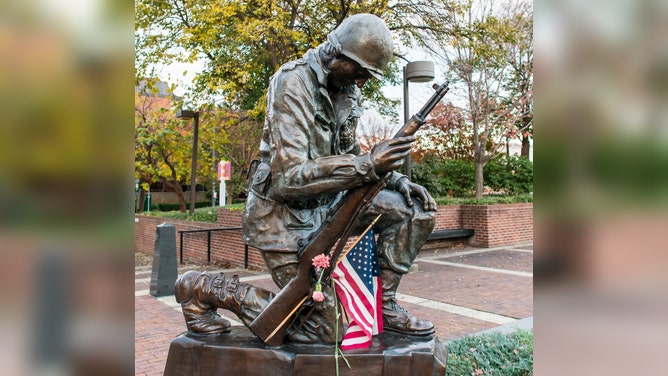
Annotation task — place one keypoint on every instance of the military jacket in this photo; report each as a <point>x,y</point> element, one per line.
<point>309,154</point>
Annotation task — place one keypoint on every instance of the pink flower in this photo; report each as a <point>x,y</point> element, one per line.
<point>318,296</point>
<point>321,262</point>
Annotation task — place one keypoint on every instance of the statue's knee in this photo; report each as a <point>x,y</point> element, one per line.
<point>428,217</point>
<point>281,265</point>
<point>283,274</point>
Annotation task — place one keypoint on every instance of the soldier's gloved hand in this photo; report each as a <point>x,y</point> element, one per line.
<point>408,189</point>
<point>389,155</point>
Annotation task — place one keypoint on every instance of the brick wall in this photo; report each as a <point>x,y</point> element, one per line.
<point>447,217</point>
<point>497,225</point>
<point>494,225</point>
<point>227,247</point>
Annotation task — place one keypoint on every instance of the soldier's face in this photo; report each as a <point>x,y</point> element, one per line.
<point>345,71</point>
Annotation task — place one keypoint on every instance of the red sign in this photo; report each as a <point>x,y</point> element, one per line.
<point>224,170</point>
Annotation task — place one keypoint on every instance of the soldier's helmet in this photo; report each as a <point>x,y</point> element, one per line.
<point>367,40</point>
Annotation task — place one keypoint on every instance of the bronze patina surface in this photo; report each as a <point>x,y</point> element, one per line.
<point>312,188</point>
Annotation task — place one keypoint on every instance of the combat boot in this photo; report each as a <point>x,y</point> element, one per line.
<point>201,294</point>
<point>195,293</point>
<point>395,317</point>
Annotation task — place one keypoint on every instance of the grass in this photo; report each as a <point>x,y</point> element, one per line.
<point>492,354</point>
<point>205,214</point>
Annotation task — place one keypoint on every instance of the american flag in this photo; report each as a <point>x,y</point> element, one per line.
<point>357,283</point>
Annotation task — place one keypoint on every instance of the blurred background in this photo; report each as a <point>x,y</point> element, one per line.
<point>66,187</point>
<point>601,183</point>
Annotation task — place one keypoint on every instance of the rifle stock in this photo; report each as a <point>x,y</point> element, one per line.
<point>272,323</point>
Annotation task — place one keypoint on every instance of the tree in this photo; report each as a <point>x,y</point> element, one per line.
<point>163,143</point>
<point>242,43</point>
<point>372,129</point>
<point>445,135</point>
<point>479,45</point>
<point>160,152</point>
<point>521,63</point>
<point>231,136</point>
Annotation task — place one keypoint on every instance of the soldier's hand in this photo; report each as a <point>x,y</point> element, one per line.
<point>408,189</point>
<point>389,155</point>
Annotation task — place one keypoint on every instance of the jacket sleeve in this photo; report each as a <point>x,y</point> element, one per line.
<point>291,106</point>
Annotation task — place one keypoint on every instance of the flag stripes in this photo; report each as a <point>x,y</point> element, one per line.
<point>357,284</point>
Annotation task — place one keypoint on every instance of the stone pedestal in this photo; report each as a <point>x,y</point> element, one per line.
<point>240,353</point>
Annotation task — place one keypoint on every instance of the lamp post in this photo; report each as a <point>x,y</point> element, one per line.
<point>416,71</point>
<point>136,195</point>
<point>213,183</point>
<point>187,114</point>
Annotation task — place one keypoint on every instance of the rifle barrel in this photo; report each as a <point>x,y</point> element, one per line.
<point>416,121</point>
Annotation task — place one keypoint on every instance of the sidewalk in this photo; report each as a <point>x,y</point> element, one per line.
<point>461,290</point>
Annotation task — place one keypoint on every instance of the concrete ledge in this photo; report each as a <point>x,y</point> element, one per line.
<point>523,324</point>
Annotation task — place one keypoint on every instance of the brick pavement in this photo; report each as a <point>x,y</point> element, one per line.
<point>462,290</point>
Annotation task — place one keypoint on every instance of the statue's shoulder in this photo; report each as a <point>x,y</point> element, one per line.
<point>294,65</point>
<point>292,74</point>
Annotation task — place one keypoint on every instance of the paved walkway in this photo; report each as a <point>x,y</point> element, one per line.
<point>461,290</point>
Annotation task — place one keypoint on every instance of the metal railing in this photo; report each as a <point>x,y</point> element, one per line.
<point>208,242</point>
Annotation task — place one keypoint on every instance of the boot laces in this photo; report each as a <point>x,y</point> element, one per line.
<point>233,284</point>
<point>396,306</point>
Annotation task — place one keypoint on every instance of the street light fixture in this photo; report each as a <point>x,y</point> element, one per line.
<point>187,114</point>
<point>416,71</point>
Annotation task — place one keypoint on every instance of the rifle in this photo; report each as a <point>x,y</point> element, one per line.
<point>272,323</point>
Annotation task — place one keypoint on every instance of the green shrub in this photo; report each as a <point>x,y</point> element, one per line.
<point>173,207</point>
<point>486,200</point>
<point>450,178</point>
<point>492,354</point>
<point>512,175</point>
<point>236,207</point>
<point>209,214</point>
<point>458,177</point>
<point>202,214</point>
<point>175,214</point>
<point>427,174</point>
<point>205,214</point>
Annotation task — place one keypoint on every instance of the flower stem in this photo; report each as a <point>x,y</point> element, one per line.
<point>337,350</point>
<point>336,344</point>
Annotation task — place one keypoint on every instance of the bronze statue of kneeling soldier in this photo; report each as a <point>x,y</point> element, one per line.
<point>311,187</point>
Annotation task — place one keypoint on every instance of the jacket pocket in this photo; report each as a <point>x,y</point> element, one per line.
<point>298,218</point>
<point>261,179</point>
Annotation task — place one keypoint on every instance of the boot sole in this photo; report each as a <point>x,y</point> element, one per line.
<point>213,332</point>
<point>414,334</point>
